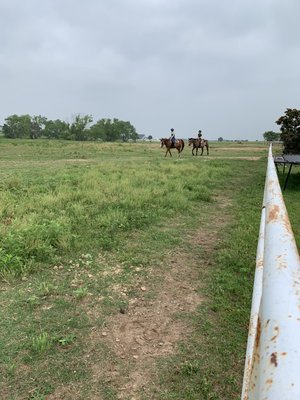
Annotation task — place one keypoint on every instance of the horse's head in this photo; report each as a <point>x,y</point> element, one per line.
<point>191,141</point>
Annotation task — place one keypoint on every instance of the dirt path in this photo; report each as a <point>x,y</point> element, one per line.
<point>149,329</point>
<point>152,328</point>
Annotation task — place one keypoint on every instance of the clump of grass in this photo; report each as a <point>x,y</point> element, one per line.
<point>47,288</point>
<point>41,343</point>
<point>11,265</point>
<point>66,340</point>
<point>81,292</point>
<point>33,300</point>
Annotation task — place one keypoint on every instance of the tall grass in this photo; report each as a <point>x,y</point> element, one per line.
<point>51,211</point>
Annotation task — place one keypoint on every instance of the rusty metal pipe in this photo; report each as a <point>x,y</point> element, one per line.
<point>272,367</point>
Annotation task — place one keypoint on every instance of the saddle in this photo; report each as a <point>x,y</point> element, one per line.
<point>201,141</point>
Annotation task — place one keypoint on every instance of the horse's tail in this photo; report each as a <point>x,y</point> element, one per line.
<point>182,147</point>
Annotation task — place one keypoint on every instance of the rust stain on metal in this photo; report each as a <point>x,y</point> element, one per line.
<point>256,354</point>
<point>274,212</point>
<point>287,224</point>
<point>281,262</point>
<point>274,359</point>
<point>276,329</point>
<point>258,333</point>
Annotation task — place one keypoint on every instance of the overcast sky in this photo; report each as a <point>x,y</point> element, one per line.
<point>227,67</point>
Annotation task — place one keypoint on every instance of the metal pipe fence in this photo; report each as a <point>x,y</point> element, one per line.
<point>272,365</point>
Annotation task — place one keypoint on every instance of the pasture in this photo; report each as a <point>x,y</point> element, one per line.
<point>125,274</point>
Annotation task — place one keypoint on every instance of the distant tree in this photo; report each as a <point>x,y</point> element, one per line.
<point>103,130</point>
<point>17,126</point>
<point>220,139</point>
<point>78,128</point>
<point>57,129</point>
<point>112,130</point>
<point>122,130</point>
<point>150,137</point>
<point>37,126</point>
<point>106,129</point>
<point>271,136</point>
<point>290,130</point>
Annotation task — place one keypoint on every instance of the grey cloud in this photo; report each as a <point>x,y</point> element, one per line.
<point>230,67</point>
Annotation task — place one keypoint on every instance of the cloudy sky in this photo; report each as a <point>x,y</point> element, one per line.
<point>228,67</point>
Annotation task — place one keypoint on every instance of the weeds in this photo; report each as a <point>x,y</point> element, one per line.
<point>11,266</point>
<point>41,343</point>
<point>67,340</point>
<point>80,293</point>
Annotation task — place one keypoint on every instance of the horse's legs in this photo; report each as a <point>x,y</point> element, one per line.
<point>202,148</point>
<point>168,151</point>
<point>207,150</point>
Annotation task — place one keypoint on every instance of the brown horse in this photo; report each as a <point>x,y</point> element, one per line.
<point>199,143</point>
<point>179,145</point>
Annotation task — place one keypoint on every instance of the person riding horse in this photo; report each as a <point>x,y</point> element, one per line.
<point>199,142</point>
<point>172,137</point>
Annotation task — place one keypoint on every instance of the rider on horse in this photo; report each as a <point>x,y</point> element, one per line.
<point>172,137</point>
<point>199,134</point>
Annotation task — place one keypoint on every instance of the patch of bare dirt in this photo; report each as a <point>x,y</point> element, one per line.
<point>147,330</point>
<point>69,392</point>
<point>250,158</point>
<point>246,148</point>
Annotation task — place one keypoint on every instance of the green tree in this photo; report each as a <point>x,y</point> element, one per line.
<point>17,126</point>
<point>102,130</point>
<point>125,130</point>
<point>79,127</point>
<point>57,129</point>
<point>220,139</point>
<point>290,130</point>
<point>271,136</point>
<point>38,124</point>
<point>113,130</point>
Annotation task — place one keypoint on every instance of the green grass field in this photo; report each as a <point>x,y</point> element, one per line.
<point>99,242</point>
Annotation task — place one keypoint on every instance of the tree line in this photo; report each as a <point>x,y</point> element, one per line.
<point>81,128</point>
